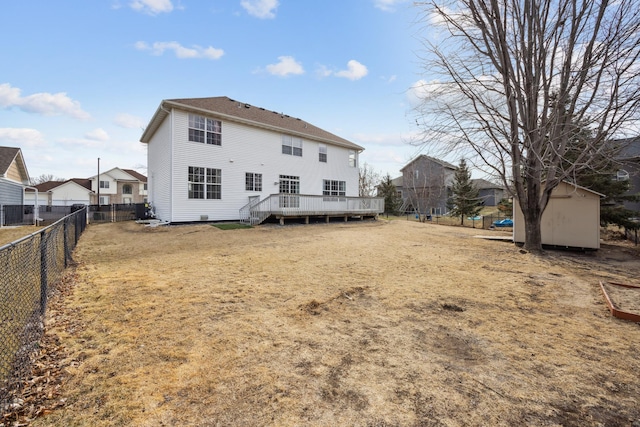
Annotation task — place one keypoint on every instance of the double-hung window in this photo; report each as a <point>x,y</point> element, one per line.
<point>104,184</point>
<point>253,181</point>
<point>205,130</point>
<point>352,159</point>
<point>334,188</point>
<point>322,153</point>
<point>204,183</point>
<point>291,146</point>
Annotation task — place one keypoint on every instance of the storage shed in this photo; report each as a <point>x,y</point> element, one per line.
<point>571,219</point>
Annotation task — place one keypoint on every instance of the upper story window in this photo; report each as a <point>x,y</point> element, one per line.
<point>352,159</point>
<point>205,130</point>
<point>104,184</point>
<point>145,187</point>
<point>322,153</point>
<point>204,183</point>
<point>127,189</point>
<point>291,146</point>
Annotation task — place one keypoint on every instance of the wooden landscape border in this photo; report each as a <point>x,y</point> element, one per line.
<point>615,312</point>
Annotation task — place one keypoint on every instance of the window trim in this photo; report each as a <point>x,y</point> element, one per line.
<point>204,183</point>
<point>252,181</point>
<point>334,187</point>
<point>353,159</point>
<point>322,153</point>
<point>292,146</point>
<point>204,130</point>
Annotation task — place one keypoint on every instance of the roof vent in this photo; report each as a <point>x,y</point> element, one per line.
<point>247,106</point>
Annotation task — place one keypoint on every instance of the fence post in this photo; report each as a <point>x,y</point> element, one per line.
<point>65,231</point>
<point>43,272</point>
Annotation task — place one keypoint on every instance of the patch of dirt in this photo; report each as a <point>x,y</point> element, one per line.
<point>387,323</point>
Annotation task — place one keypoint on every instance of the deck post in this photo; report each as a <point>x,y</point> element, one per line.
<point>326,218</point>
<point>281,220</point>
<point>306,219</point>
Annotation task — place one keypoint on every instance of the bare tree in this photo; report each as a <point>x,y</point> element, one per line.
<point>368,180</point>
<point>425,184</point>
<point>518,75</point>
<point>44,178</point>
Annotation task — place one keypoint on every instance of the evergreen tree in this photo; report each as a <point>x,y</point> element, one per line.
<point>505,207</point>
<point>464,195</point>
<point>392,200</point>
<point>601,177</point>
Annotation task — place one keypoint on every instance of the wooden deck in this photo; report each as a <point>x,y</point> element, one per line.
<point>283,206</point>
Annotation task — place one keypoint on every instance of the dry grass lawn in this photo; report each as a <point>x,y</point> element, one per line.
<point>377,323</point>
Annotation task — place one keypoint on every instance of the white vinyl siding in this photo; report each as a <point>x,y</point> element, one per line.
<point>159,156</point>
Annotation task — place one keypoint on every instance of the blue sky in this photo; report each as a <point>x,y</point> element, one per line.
<point>80,79</point>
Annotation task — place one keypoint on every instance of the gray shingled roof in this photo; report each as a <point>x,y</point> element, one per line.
<point>228,109</point>
<point>50,185</point>
<point>433,159</point>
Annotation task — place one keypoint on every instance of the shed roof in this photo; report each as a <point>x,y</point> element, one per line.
<point>230,109</point>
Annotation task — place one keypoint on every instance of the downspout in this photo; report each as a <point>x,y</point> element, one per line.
<point>36,211</point>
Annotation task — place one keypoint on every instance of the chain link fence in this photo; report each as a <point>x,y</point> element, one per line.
<point>31,266</point>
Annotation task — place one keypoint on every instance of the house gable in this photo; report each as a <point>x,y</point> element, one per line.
<point>12,165</point>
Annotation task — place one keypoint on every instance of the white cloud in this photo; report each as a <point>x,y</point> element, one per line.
<point>387,5</point>
<point>323,71</point>
<point>287,65</point>
<point>44,103</point>
<point>152,7</point>
<point>98,134</point>
<point>354,71</point>
<point>128,121</point>
<point>23,136</point>
<point>158,48</point>
<point>263,9</point>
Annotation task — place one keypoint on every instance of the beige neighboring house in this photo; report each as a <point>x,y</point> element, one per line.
<point>61,193</point>
<point>118,186</point>
<point>13,176</point>
<point>571,219</point>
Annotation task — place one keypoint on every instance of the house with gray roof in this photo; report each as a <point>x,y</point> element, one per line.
<point>218,159</point>
<point>426,183</point>
<point>491,194</point>
<point>629,159</point>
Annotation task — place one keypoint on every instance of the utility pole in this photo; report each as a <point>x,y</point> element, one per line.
<point>98,185</point>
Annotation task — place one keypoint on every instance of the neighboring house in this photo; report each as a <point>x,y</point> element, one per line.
<point>571,219</point>
<point>491,194</point>
<point>218,159</point>
<point>61,193</point>
<point>398,184</point>
<point>426,182</point>
<point>13,178</point>
<point>629,159</point>
<point>118,186</point>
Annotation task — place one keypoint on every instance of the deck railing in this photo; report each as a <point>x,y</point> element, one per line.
<point>301,205</point>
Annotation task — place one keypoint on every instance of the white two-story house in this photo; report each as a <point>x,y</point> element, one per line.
<point>217,159</point>
<point>118,186</point>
